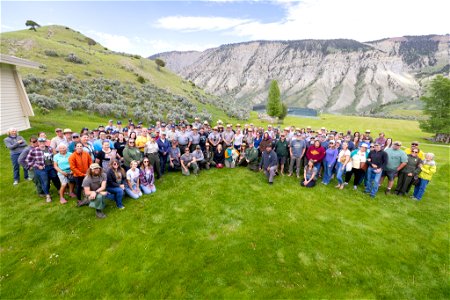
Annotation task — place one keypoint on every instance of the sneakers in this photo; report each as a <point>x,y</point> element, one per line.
<point>15,182</point>
<point>72,195</point>
<point>30,179</point>
<point>100,214</point>
<point>290,174</point>
<point>62,200</point>
<point>122,207</point>
<point>355,187</point>
<point>338,186</point>
<point>48,198</point>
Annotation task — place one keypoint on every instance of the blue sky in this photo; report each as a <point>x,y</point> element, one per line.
<point>149,27</point>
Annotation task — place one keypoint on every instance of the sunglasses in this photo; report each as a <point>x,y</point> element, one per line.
<point>415,152</point>
<point>414,144</point>
<point>130,142</point>
<point>33,142</point>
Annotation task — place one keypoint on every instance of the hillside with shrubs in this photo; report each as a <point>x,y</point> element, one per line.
<point>77,73</point>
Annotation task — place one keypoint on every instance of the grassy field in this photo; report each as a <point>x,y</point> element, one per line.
<point>228,234</point>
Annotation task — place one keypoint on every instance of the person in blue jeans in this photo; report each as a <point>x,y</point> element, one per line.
<point>341,166</point>
<point>329,161</point>
<point>115,182</point>
<point>428,168</point>
<point>16,144</point>
<point>377,161</point>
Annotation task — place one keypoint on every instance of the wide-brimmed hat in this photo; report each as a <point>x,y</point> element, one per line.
<point>95,166</point>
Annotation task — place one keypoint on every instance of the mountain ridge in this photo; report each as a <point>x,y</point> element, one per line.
<point>338,75</point>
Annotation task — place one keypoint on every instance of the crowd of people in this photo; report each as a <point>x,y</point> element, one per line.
<point>112,161</point>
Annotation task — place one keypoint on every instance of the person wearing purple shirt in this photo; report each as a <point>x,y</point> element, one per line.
<point>328,162</point>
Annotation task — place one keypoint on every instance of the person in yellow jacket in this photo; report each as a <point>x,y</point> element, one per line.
<point>414,146</point>
<point>428,169</point>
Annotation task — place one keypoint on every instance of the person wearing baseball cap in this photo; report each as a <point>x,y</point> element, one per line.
<point>414,146</point>
<point>397,160</point>
<point>269,163</point>
<point>94,185</point>
<point>58,139</point>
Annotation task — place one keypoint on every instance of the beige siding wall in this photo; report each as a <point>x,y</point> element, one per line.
<point>11,107</point>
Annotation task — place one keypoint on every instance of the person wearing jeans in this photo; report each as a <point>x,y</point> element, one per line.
<point>427,171</point>
<point>269,163</point>
<point>79,162</point>
<point>329,161</point>
<point>115,182</point>
<point>377,160</point>
<point>342,161</point>
<point>16,144</point>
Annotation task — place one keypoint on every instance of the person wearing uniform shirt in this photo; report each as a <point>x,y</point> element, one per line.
<point>228,136</point>
<point>415,145</point>
<point>40,159</point>
<point>188,162</point>
<point>196,123</point>
<point>164,147</point>
<point>58,139</point>
<point>174,157</point>
<point>282,151</point>
<point>214,138</point>
<point>152,152</point>
<point>163,129</point>
<point>199,157</point>
<point>171,134</point>
<point>110,127</point>
<point>194,139</point>
<point>269,163</point>
<point>142,140</point>
<point>182,138</point>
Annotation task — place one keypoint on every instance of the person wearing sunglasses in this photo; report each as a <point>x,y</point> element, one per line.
<point>147,177</point>
<point>115,182</point>
<point>406,175</point>
<point>415,145</point>
<point>130,153</point>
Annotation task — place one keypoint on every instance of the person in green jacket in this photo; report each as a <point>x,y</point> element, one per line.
<point>427,171</point>
<point>251,155</point>
<point>130,153</point>
<point>282,151</point>
<point>406,175</point>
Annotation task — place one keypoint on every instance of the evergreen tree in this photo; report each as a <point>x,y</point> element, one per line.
<point>437,107</point>
<point>274,107</point>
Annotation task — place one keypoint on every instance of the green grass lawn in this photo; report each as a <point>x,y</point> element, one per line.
<point>228,234</point>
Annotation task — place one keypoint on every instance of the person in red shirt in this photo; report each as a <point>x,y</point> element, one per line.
<point>316,153</point>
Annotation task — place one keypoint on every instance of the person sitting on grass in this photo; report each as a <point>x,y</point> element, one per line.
<point>208,156</point>
<point>94,185</point>
<point>269,163</point>
<point>251,156</point>
<point>115,182</point>
<point>133,182</point>
<point>219,156</point>
<point>188,162</point>
<point>309,175</point>
<point>62,166</point>
<point>242,159</point>
<point>147,177</point>
<point>427,171</point>
<point>231,155</point>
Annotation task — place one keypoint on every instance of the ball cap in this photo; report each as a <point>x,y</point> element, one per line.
<point>41,139</point>
<point>398,143</point>
<point>95,166</point>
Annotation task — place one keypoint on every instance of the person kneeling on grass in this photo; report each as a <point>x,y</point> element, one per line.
<point>147,177</point>
<point>188,162</point>
<point>309,175</point>
<point>115,182</point>
<point>269,163</point>
<point>94,185</point>
<point>132,188</point>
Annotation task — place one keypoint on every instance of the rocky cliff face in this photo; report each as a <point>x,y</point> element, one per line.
<point>331,75</point>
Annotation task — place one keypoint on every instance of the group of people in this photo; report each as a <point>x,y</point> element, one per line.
<point>112,161</point>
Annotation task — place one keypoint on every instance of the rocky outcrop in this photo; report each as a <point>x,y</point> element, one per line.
<point>330,75</point>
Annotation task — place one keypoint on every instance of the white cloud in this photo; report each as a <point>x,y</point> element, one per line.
<point>191,24</point>
<point>329,19</point>
<point>142,46</point>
